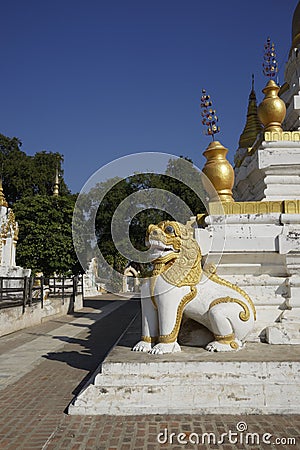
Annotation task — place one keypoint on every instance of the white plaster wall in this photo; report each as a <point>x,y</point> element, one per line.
<point>12,319</point>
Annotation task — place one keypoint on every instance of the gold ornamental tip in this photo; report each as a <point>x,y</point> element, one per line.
<point>219,171</point>
<point>272,110</point>
<point>56,185</point>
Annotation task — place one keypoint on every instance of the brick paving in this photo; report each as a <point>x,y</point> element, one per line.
<point>33,408</point>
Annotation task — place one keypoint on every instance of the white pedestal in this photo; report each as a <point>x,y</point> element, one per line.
<point>256,380</point>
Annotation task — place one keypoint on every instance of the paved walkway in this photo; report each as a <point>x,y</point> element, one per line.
<point>43,367</point>
<point>18,357</point>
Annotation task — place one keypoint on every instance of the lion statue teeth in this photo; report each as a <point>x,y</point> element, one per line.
<point>179,286</point>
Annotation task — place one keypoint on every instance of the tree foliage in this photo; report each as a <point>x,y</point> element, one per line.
<point>118,190</point>
<point>26,176</point>
<point>45,234</point>
<point>45,222</point>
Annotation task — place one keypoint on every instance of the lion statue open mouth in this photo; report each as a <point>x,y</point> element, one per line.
<point>180,287</point>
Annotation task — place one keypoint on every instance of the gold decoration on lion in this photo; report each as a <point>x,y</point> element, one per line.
<point>244,315</point>
<point>227,340</point>
<point>171,337</point>
<point>212,275</point>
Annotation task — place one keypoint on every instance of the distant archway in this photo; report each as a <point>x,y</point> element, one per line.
<point>130,280</point>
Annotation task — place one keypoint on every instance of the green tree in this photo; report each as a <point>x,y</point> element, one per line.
<point>14,166</point>
<point>45,222</point>
<point>123,188</point>
<point>45,234</point>
<point>44,165</point>
<point>24,175</point>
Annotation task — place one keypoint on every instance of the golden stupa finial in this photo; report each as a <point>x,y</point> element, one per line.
<point>56,184</point>
<point>217,169</point>
<point>3,201</point>
<point>253,126</point>
<point>270,67</point>
<point>209,117</point>
<point>271,111</point>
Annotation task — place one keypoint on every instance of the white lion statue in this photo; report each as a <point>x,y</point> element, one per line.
<point>180,286</point>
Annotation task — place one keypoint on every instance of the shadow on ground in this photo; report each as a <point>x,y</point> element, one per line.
<point>88,351</point>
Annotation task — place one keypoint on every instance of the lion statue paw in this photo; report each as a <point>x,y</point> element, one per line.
<point>142,346</point>
<point>160,349</point>
<point>216,346</point>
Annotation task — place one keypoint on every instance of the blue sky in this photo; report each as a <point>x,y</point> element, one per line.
<point>97,80</point>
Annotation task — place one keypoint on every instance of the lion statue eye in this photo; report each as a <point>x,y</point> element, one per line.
<point>169,229</point>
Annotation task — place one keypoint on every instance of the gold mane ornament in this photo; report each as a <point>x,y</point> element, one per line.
<point>183,266</point>
<point>180,287</point>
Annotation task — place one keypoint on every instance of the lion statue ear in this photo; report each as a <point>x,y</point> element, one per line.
<point>192,222</point>
<point>202,236</point>
<point>190,227</point>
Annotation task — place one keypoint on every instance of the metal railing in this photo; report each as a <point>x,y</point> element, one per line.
<point>26,291</point>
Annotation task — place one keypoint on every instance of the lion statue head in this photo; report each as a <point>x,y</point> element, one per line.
<point>176,253</point>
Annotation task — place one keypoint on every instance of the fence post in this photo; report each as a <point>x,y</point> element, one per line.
<point>82,288</point>
<point>25,291</point>
<point>75,287</point>
<point>1,288</point>
<point>30,285</point>
<point>42,291</point>
<point>63,289</point>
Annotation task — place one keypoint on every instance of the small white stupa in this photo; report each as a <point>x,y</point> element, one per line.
<point>8,241</point>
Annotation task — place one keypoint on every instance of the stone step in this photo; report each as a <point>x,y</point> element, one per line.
<point>259,379</point>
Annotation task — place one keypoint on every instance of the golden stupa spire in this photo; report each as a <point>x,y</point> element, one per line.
<point>56,184</point>
<point>253,126</point>
<point>3,201</point>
